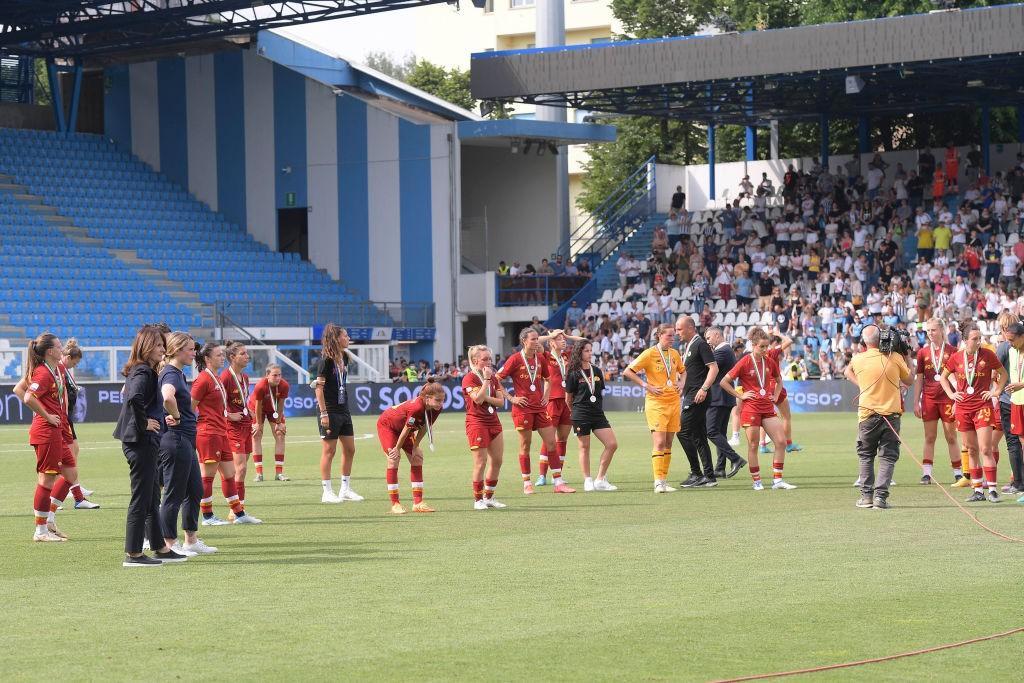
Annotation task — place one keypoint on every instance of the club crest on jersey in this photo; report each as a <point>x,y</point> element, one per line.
<point>34,386</point>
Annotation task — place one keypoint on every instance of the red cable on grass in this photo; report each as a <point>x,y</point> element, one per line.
<point>912,653</point>
<point>887,658</point>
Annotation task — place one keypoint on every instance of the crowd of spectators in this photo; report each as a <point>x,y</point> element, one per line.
<point>824,255</point>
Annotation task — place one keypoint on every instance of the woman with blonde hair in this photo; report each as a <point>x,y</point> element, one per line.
<point>183,485</point>
<point>484,396</point>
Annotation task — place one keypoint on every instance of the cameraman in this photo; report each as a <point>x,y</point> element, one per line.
<point>879,376</point>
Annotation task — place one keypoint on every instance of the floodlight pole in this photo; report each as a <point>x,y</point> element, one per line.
<point>711,161</point>
<point>550,32</point>
<point>751,130</point>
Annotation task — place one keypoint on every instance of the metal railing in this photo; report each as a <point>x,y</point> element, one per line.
<point>616,218</point>
<point>537,290</point>
<point>305,313</point>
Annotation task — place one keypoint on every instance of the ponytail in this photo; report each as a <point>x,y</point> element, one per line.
<point>432,387</point>
<point>203,355</point>
<point>37,349</point>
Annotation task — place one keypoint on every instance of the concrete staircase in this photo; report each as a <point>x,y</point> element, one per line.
<point>156,277</point>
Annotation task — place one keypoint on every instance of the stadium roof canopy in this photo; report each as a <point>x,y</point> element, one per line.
<point>921,63</point>
<point>90,28</point>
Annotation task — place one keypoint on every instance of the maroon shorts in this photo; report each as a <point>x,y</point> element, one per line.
<point>1016,419</point>
<point>213,448</point>
<point>529,421</point>
<point>971,420</point>
<point>937,409</point>
<point>240,436</point>
<point>752,414</point>
<point>782,396</point>
<point>388,439</point>
<point>559,412</point>
<point>481,435</point>
<point>53,456</point>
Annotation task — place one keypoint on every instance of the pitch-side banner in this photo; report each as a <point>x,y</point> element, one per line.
<point>102,402</point>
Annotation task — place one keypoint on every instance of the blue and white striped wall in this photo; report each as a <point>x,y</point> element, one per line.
<point>242,132</point>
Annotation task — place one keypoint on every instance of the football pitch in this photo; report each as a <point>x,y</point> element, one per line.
<point>628,585</point>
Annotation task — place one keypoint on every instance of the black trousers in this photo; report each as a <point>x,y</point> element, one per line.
<point>144,505</point>
<point>718,426</point>
<point>1013,446</point>
<point>693,435</point>
<point>183,484</point>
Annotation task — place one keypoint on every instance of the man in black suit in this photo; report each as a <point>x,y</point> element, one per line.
<point>701,372</point>
<point>720,407</point>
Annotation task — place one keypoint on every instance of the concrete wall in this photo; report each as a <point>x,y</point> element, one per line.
<point>516,193</point>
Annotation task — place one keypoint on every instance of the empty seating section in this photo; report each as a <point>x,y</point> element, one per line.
<point>127,205</point>
<point>48,282</point>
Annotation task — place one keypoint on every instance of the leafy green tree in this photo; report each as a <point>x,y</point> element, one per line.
<point>451,85</point>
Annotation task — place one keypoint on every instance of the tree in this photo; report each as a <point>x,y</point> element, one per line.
<point>451,85</point>
<point>385,63</point>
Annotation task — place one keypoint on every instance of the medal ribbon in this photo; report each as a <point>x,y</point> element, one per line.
<point>931,351</point>
<point>58,379</point>
<point>591,381</point>
<point>761,373</point>
<point>220,388</point>
<point>243,391</point>
<point>532,373</point>
<point>668,367</point>
<point>970,370</point>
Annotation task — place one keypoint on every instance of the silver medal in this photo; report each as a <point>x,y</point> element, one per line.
<point>563,383</point>
<point>490,409</point>
<point>245,411</point>
<point>937,377</point>
<point>275,415</point>
<point>533,387</point>
<point>762,392</point>
<point>593,399</point>
<point>970,390</point>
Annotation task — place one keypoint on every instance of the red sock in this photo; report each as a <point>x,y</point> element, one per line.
<point>927,461</point>
<point>478,490</point>
<point>240,490</point>
<point>490,486</point>
<point>524,465</point>
<point>257,458</point>
<point>990,477</point>
<point>776,471</point>
<point>41,503</point>
<point>227,487</point>
<point>755,473</point>
<point>278,463</point>
<point>392,477</point>
<point>789,442</point>
<point>976,474</point>
<point>555,463</point>
<point>544,460</point>
<point>206,504</point>
<point>76,492</point>
<point>60,489</point>
<point>955,464</point>
<point>416,480</point>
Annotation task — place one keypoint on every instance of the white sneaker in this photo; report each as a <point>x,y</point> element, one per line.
<point>281,477</point>
<point>659,487</point>
<point>86,492</point>
<point>759,485</point>
<point>668,489</point>
<point>603,485</point>
<point>214,521</point>
<point>248,519</point>
<point>86,505</point>
<point>480,504</point>
<point>782,484</point>
<point>735,440</point>
<point>257,479</point>
<point>199,547</point>
<point>145,544</point>
<point>495,503</point>
<point>47,537</point>
<point>892,483</point>
<point>858,483</point>
<point>329,497</point>
<point>349,494</point>
<point>588,484</point>
<point>177,547</point>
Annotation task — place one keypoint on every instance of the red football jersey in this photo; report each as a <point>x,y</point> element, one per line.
<point>747,373</point>
<point>237,388</point>
<point>925,367</point>
<point>555,374</point>
<point>413,413</point>
<point>958,366</point>
<point>270,398</point>
<point>52,396</point>
<point>211,403</point>
<point>478,414</point>
<point>516,369</point>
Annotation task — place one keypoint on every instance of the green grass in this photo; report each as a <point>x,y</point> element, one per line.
<point>694,585</point>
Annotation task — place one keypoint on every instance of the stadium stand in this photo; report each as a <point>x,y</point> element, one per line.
<point>80,207</point>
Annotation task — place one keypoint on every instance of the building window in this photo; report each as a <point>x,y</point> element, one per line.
<point>600,40</point>
<point>516,4</point>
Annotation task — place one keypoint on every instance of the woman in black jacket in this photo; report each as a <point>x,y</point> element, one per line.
<point>138,430</point>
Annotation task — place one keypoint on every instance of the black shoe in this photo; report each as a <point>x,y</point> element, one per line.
<point>880,503</point>
<point>691,481</point>
<point>736,467</point>
<point>926,479</point>
<point>976,497</point>
<point>957,477</point>
<point>992,496</point>
<point>140,561</point>
<point>709,482</point>
<point>169,556</point>
<point>864,502</point>
<point>720,474</point>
